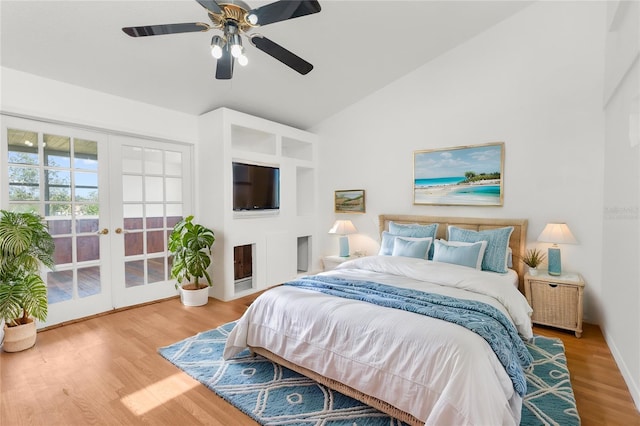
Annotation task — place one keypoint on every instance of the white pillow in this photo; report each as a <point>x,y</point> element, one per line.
<point>460,253</point>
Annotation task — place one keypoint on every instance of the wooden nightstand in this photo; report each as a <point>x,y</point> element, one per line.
<point>556,300</point>
<point>330,262</point>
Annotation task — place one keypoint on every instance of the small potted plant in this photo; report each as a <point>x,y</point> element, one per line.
<point>533,258</point>
<point>190,244</point>
<point>25,245</point>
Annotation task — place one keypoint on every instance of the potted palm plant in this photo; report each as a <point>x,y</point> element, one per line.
<point>533,258</point>
<point>25,245</point>
<point>190,244</point>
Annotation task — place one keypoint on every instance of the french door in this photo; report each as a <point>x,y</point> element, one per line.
<point>109,202</point>
<point>150,181</point>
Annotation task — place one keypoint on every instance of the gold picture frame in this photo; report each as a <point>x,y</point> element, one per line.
<point>349,201</point>
<point>470,175</point>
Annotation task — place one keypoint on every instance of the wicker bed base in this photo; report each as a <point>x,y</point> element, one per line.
<point>385,407</point>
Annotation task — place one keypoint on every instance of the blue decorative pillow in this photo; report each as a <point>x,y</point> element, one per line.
<point>411,247</point>
<point>386,245</point>
<point>459,253</point>
<point>496,254</point>
<point>415,230</point>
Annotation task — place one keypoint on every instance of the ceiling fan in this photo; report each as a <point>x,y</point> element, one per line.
<point>235,18</point>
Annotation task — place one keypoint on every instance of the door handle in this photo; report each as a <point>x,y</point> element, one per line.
<point>105,231</point>
<point>121,231</point>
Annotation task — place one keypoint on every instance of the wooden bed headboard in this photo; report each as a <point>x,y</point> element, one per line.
<point>517,242</point>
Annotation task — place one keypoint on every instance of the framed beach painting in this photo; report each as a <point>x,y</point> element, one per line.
<point>461,176</point>
<point>349,201</point>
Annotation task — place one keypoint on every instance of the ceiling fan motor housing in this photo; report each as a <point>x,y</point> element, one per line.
<point>234,11</point>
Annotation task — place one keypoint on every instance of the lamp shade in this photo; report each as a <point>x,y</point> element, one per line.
<point>557,233</point>
<point>343,227</point>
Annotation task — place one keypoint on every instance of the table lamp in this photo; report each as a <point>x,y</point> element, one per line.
<point>343,228</point>
<point>556,233</point>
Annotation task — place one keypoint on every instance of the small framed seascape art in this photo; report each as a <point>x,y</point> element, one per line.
<point>349,201</point>
<point>461,176</point>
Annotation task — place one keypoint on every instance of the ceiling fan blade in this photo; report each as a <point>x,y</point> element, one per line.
<point>152,30</point>
<point>211,6</point>
<point>282,10</point>
<point>224,67</point>
<point>280,53</point>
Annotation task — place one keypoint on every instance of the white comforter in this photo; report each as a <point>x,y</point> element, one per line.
<point>439,372</point>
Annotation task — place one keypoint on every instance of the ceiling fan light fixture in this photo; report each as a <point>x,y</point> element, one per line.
<point>236,45</point>
<point>243,60</point>
<point>216,47</point>
<point>252,19</point>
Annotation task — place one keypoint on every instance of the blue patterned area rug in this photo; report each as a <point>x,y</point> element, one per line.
<point>274,395</point>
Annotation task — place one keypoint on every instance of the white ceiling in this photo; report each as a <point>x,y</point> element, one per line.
<point>356,47</point>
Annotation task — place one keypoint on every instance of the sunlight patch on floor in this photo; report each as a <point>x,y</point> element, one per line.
<point>152,396</point>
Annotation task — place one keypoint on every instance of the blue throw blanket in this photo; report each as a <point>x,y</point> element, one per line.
<point>481,318</point>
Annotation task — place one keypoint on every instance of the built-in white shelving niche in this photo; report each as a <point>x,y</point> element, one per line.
<point>300,150</point>
<point>304,254</point>
<point>252,140</point>
<point>282,243</point>
<point>243,267</point>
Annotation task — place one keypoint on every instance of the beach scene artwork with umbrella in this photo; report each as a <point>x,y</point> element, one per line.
<point>460,176</point>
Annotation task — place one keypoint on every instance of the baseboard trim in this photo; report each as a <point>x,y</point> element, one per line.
<point>633,386</point>
<point>101,314</point>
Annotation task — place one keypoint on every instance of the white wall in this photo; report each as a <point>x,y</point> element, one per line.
<point>621,244</point>
<point>30,95</point>
<point>533,81</point>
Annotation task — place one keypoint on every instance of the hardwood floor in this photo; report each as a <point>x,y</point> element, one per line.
<point>106,371</point>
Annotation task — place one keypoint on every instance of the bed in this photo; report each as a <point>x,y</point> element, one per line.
<point>360,328</point>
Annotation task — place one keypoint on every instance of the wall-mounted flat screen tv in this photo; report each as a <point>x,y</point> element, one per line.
<point>255,187</point>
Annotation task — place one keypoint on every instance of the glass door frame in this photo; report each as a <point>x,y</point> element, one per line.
<point>76,306</point>
<point>124,295</point>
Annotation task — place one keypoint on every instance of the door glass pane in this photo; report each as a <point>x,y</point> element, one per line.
<point>87,209</point>
<point>57,185</point>
<point>155,242</point>
<point>174,189</point>
<point>88,248</point>
<point>22,207</point>
<point>131,188</point>
<point>174,214</point>
<point>131,159</point>
<point>152,162</point>
<point>173,163</point>
<point>131,211</point>
<point>59,286</point>
<point>134,273</point>
<point>133,244</point>
<point>57,151</point>
<point>87,225</point>
<point>63,252</point>
<point>57,209</point>
<point>58,227</point>
<point>155,216</point>
<point>155,270</point>
<point>85,154</point>
<point>153,189</point>
<point>86,185</point>
<point>133,223</point>
<point>89,281</point>
<point>23,146</point>
<point>24,183</point>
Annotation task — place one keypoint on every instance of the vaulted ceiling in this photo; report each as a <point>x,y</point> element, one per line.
<point>356,47</point>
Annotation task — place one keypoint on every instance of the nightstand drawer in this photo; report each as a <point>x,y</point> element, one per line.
<point>555,304</point>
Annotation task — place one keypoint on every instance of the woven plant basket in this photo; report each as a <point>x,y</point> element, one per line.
<point>20,337</point>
